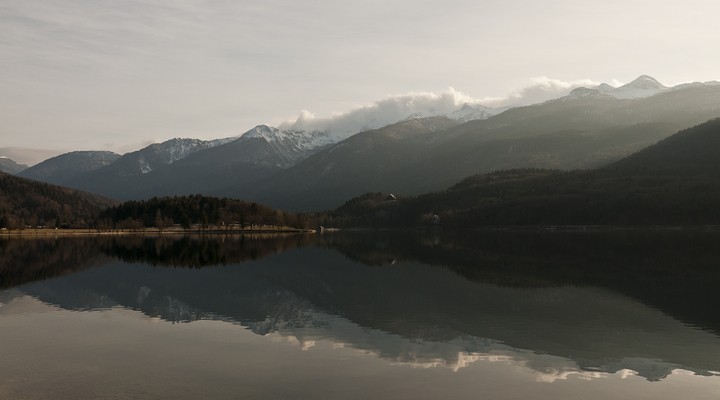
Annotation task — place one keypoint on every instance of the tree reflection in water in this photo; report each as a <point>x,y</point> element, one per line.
<point>599,299</point>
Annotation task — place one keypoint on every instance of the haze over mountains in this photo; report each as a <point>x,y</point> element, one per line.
<point>62,169</point>
<point>314,164</point>
<point>10,167</point>
<point>27,156</point>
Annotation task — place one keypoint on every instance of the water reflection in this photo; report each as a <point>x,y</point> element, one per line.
<point>560,304</point>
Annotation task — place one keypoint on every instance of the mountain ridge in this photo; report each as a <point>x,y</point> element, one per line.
<point>585,129</point>
<point>61,169</point>
<point>9,166</point>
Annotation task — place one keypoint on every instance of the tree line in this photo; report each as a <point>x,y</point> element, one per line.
<point>203,212</point>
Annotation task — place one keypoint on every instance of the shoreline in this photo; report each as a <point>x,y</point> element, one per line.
<point>146,231</point>
<point>42,232</point>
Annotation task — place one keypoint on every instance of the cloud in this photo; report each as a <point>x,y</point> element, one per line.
<point>540,89</point>
<point>383,112</point>
<point>425,104</point>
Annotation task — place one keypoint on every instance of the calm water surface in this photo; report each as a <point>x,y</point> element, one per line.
<point>501,315</point>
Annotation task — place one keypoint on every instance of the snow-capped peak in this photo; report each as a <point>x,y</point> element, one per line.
<point>643,86</point>
<point>297,139</point>
<point>263,131</point>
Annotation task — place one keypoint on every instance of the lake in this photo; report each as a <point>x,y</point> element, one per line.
<point>358,315</point>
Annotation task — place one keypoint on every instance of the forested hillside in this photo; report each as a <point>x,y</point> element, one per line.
<point>675,182</point>
<point>24,203</point>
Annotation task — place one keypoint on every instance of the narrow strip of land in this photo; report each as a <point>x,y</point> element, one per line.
<point>148,231</point>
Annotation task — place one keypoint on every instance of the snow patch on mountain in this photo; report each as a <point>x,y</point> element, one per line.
<point>471,112</point>
<point>144,166</point>
<point>156,155</point>
<point>176,149</point>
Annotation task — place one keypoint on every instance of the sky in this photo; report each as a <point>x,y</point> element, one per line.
<point>120,74</point>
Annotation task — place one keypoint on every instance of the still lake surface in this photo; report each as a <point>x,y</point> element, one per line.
<point>426,315</point>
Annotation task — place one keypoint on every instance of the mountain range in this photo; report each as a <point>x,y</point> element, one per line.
<point>306,169</point>
<point>189,166</point>
<point>567,133</point>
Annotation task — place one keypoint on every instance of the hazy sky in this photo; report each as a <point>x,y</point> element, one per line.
<point>112,74</point>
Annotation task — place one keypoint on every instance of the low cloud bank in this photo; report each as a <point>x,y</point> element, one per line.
<point>425,104</point>
<point>540,89</point>
<point>383,112</point>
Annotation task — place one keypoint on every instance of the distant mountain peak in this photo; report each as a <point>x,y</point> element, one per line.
<point>9,166</point>
<point>644,82</point>
<point>643,86</point>
<point>269,133</point>
<point>604,87</point>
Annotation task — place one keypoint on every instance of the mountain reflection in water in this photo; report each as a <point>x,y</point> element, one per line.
<point>560,303</point>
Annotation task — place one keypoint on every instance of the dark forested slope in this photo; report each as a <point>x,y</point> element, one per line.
<point>24,202</point>
<point>674,182</point>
